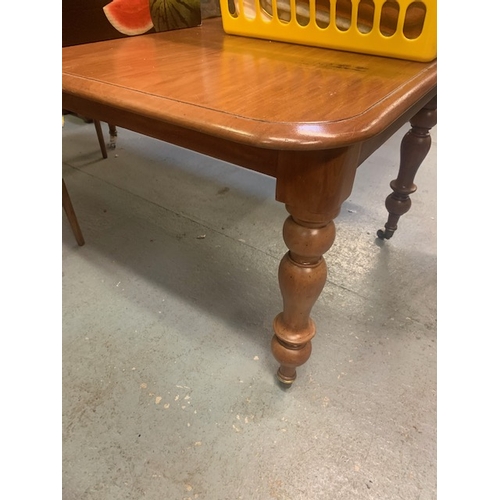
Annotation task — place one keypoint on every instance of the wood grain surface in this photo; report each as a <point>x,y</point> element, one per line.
<point>257,92</point>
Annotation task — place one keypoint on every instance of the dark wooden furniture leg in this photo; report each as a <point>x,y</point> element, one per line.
<point>113,134</point>
<point>313,186</point>
<point>414,148</point>
<point>100,137</point>
<point>73,221</point>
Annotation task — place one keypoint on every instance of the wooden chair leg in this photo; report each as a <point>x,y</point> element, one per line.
<point>414,148</point>
<point>100,137</point>
<point>113,134</point>
<point>73,221</point>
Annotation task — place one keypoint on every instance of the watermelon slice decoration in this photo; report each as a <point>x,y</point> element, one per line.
<point>130,17</point>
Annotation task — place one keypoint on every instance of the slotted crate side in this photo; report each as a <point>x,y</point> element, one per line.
<point>247,18</point>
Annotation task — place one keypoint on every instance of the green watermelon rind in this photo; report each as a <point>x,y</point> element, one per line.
<point>124,19</point>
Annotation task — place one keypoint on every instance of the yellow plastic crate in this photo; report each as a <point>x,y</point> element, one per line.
<point>405,29</point>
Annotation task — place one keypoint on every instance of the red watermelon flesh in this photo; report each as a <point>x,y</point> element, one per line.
<point>130,17</point>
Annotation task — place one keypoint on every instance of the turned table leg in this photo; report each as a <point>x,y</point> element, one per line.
<point>414,148</point>
<point>302,276</point>
<point>313,186</point>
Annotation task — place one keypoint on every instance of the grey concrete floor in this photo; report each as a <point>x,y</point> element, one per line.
<point>169,388</point>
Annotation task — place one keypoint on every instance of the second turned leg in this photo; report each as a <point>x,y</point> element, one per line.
<point>414,148</point>
<point>302,276</point>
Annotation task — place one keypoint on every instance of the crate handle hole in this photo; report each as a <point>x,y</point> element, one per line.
<point>232,8</point>
<point>302,12</point>
<point>343,14</point>
<point>284,10</point>
<point>366,12</point>
<point>323,15</point>
<point>414,20</point>
<point>389,18</point>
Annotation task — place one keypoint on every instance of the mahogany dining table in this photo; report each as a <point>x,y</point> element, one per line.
<point>306,116</point>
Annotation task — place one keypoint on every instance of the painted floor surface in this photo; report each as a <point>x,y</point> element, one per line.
<point>169,388</point>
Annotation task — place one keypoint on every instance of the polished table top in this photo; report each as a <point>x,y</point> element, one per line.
<point>267,94</point>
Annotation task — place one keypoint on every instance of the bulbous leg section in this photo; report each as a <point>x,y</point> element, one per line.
<point>302,276</point>
<point>290,356</point>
